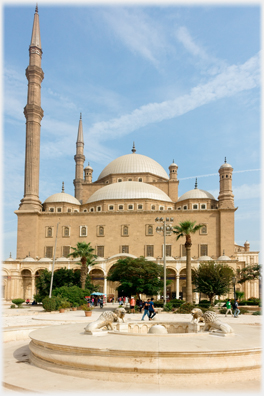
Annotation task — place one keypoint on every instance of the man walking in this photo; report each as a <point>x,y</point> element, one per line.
<point>151,308</point>
<point>228,306</point>
<point>146,310</point>
<point>236,310</point>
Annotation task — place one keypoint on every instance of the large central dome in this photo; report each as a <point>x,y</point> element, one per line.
<point>133,163</point>
<point>129,190</point>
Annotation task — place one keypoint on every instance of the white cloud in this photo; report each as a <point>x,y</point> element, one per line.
<point>247,191</point>
<point>207,62</point>
<point>138,32</point>
<point>234,79</point>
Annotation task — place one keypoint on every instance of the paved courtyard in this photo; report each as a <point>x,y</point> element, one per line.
<point>19,376</point>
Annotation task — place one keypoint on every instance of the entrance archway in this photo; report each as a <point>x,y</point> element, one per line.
<point>97,278</point>
<point>26,284</point>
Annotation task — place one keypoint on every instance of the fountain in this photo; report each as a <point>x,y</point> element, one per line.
<point>156,351</point>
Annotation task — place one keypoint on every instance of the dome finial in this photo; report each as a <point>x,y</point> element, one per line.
<point>88,163</point>
<point>173,161</point>
<point>80,116</point>
<point>133,149</point>
<point>10,255</point>
<point>62,189</point>
<point>225,160</point>
<point>223,252</point>
<point>36,9</point>
<point>195,186</point>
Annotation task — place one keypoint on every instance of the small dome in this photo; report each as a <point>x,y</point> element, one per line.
<point>223,258</point>
<point>134,163</point>
<point>88,166</point>
<point>225,165</point>
<point>205,258</point>
<point>173,165</point>
<point>196,193</point>
<point>62,259</point>
<point>28,259</point>
<point>129,190</point>
<point>62,197</point>
<point>44,260</point>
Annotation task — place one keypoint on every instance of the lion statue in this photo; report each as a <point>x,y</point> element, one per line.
<point>120,313</point>
<point>212,323</point>
<point>197,315</point>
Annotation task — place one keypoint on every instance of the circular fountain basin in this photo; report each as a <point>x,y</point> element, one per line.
<point>154,358</point>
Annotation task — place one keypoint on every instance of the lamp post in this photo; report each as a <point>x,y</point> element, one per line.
<point>234,284</point>
<point>165,229</point>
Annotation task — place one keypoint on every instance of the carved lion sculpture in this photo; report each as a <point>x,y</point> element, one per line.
<point>120,313</point>
<point>212,322</point>
<point>105,320</point>
<point>197,315</point>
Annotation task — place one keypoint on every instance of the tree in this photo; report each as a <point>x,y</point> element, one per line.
<point>185,229</point>
<point>62,277</point>
<point>137,276</point>
<point>85,252</point>
<point>250,272</point>
<point>212,279</point>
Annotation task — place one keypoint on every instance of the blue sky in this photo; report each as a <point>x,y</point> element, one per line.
<point>183,82</point>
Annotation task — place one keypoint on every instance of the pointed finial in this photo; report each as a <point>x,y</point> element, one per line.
<point>133,149</point>
<point>62,189</point>
<point>225,160</point>
<point>88,163</point>
<point>223,252</point>
<point>173,161</point>
<point>80,116</point>
<point>28,254</point>
<point>36,9</point>
<point>195,186</point>
<point>10,255</point>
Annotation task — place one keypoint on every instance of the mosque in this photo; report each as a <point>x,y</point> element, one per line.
<point>115,213</point>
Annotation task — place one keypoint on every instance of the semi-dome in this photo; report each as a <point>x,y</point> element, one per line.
<point>62,197</point>
<point>196,193</point>
<point>223,258</point>
<point>129,190</point>
<point>133,163</point>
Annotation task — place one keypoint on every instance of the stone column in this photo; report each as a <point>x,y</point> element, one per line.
<point>177,286</point>
<point>105,285</point>
<point>33,291</point>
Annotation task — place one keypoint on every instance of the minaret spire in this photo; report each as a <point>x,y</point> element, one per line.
<point>34,114</point>
<point>133,149</point>
<point>79,160</point>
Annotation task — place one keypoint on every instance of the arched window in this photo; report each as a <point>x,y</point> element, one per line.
<point>150,230</point>
<point>83,231</point>
<point>125,230</point>
<point>66,232</point>
<point>49,232</point>
<point>101,230</point>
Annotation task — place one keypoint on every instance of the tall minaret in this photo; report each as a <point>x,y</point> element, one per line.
<point>226,197</point>
<point>79,159</point>
<point>33,113</point>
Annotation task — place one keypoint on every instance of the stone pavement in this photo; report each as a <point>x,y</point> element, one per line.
<point>20,376</point>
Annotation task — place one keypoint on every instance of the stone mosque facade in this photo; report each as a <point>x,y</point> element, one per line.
<point>115,213</point>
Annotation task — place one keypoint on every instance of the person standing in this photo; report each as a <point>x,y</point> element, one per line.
<point>132,305</point>
<point>151,308</point>
<point>228,306</point>
<point>140,305</point>
<point>146,310</point>
<point>236,310</point>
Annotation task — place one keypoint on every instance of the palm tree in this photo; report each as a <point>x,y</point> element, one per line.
<point>186,228</point>
<point>85,252</point>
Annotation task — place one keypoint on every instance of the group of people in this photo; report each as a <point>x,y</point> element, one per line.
<point>235,308</point>
<point>149,309</point>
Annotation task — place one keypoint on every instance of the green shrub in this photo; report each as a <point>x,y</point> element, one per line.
<point>51,304</point>
<point>185,308</point>
<point>253,302</point>
<point>168,307</point>
<point>204,303</point>
<point>243,302</point>
<point>158,304</point>
<point>12,306</point>
<point>223,310</point>
<point>256,313</point>
<point>73,294</point>
<point>18,302</point>
<point>176,302</point>
<point>38,298</point>
<point>243,311</point>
